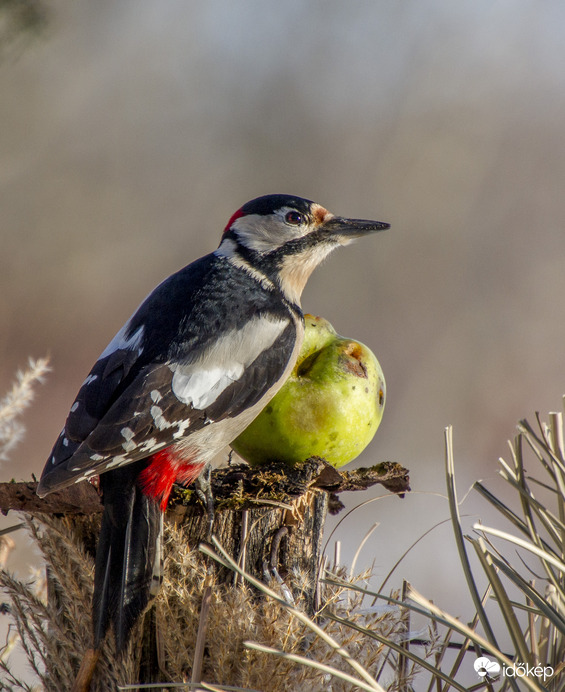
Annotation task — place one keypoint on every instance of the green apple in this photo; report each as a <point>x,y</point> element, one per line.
<point>330,406</point>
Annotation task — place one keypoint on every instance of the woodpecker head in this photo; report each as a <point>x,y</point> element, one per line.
<point>287,237</point>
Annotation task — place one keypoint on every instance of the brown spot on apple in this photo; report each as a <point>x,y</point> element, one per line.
<point>352,360</point>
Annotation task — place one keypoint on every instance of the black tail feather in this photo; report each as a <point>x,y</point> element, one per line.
<point>126,556</point>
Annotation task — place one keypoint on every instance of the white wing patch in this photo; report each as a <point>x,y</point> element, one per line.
<point>199,384</point>
<point>200,389</point>
<point>160,421</point>
<point>121,342</point>
<point>156,396</point>
<point>182,425</point>
<point>129,445</point>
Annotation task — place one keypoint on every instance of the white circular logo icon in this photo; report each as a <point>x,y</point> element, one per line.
<point>484,666</point>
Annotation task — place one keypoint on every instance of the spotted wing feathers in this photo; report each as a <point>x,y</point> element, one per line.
<point>124,412</point>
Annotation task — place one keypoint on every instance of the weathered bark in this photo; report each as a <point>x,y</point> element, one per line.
<point>82,498</point>
<point>236,487</point>
<point>270,520</point>
<point>267,542</point>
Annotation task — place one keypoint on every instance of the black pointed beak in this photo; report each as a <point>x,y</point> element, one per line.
<point>352,228</point>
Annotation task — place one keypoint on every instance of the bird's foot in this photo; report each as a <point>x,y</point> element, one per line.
<point>203,489</point>
<point>270,569</point>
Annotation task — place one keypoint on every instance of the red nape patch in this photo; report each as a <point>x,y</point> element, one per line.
<point>165,468</point>
<point>238,214</point>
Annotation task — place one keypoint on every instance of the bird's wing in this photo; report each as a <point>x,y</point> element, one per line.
<point>126,411</point>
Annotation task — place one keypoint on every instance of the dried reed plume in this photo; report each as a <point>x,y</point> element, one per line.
<point>14,403</point>
<point>247,613</point>
<point>55,634</point>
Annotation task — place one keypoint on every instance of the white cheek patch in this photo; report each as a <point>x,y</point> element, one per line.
<point>199,384</point>
<point>266,233</point>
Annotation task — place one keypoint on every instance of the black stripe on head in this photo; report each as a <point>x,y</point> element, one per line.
<point>294,246</point>
<point>268,204</point>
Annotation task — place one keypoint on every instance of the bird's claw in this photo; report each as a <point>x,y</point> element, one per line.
<point>270,569</point>
<point>203,489</point>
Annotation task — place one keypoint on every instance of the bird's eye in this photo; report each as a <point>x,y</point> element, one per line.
<point>293,218</point>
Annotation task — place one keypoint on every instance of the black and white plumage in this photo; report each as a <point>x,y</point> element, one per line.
<point>186,374</point>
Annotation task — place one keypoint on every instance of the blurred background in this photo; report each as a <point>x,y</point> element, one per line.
<point>131,131</point>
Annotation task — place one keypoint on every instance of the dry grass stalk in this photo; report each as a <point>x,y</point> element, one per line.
<point>14,403</point>
<point>238,614</point>
<point>56,634</point>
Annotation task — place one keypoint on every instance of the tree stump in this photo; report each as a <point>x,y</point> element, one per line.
<point>266,540</point>
<point>270,520</point>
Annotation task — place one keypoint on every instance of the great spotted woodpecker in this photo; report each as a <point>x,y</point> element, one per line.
<point>186,374</point>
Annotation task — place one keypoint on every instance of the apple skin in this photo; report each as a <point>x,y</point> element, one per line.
<point>330,406</point>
